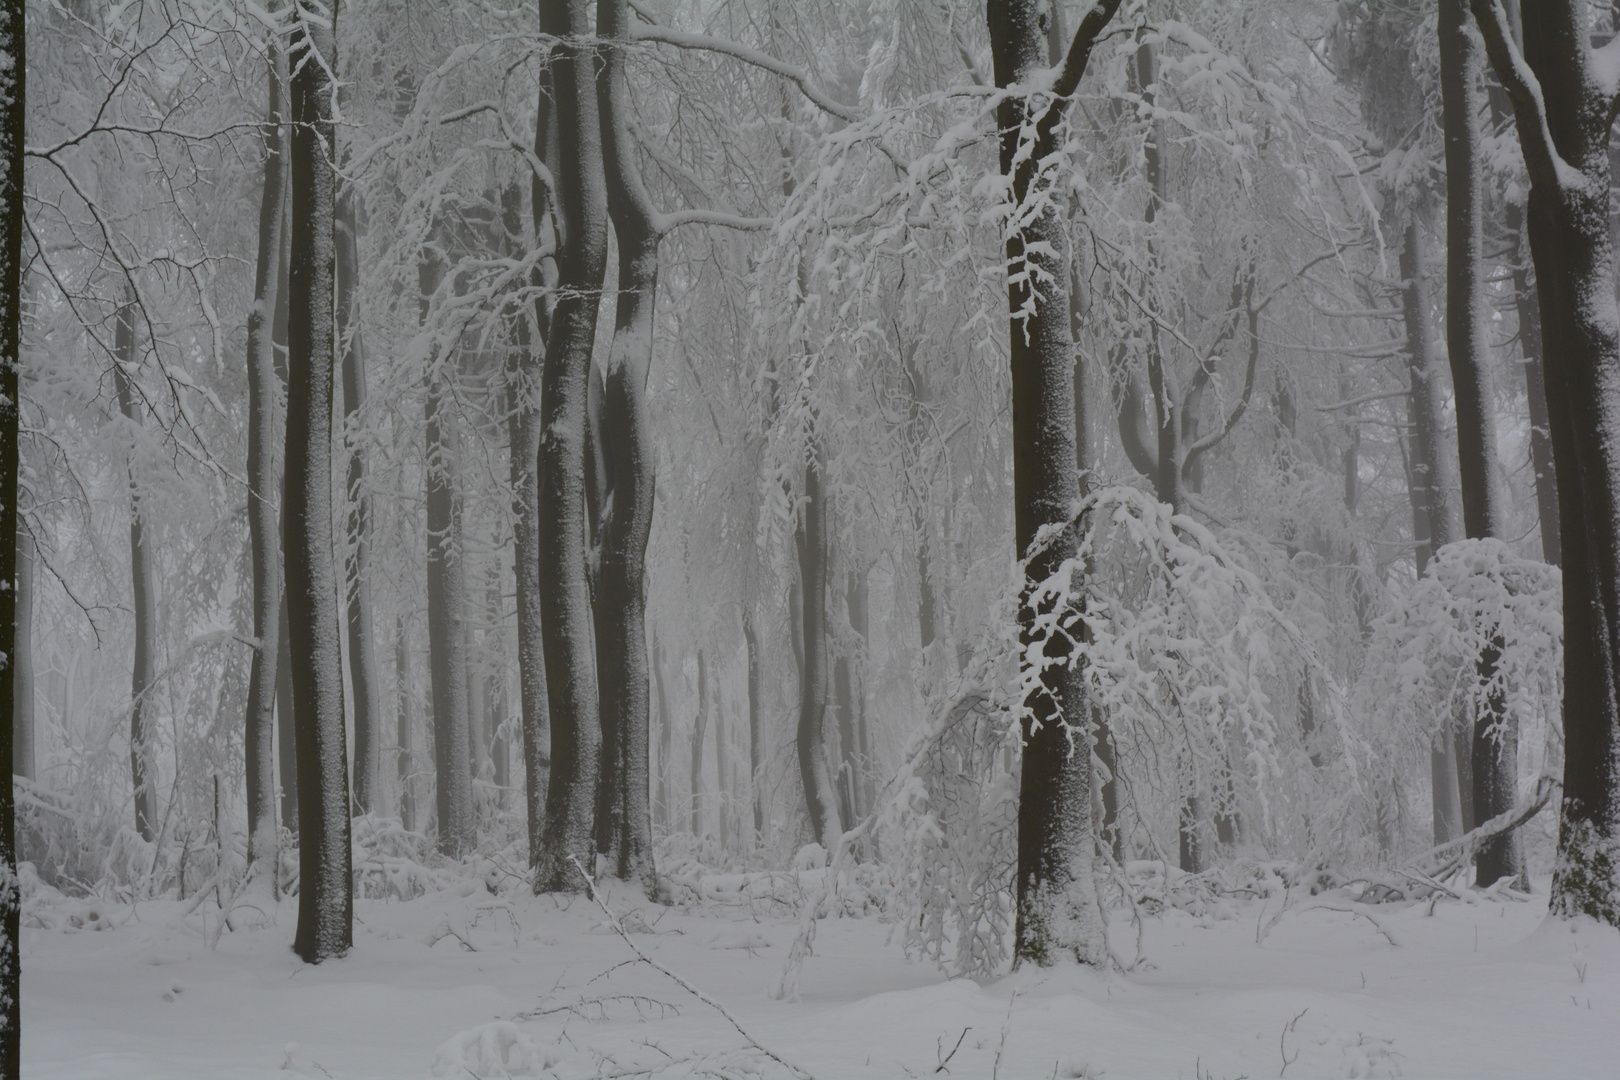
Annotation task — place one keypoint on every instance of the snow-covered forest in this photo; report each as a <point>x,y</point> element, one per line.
<point>809,538</point>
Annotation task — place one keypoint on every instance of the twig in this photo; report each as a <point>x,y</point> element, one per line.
<point>1331,905</point>
<point>995,1069</point>
<point>1282,1042</point>
<point>613,920</point>
<point>946,1060</point>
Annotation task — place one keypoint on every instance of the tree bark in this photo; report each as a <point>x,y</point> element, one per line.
<point>264,490</point>
<point>1535,387</point>
<point>446,597</point>
<point>699,722</point>
<point>144,585</point>
<point>666,738</point>
<point>13,84</point>
<point>22,715</point>
<point>325,896</point>
<point>628,462</point>
<point>406,722</point>
<point>1057,910</point>
<point>1493,746</point>
<point>819,797</point>
<point>1563,109</point>
<point>362,648</point>
<point>755,693</point>
<point>523,434</point>
<point>565,601</point>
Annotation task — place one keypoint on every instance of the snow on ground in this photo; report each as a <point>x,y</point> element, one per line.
<point>519,985</point>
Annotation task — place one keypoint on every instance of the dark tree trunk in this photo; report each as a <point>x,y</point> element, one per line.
<point>523,434</point>
<point>819,796</point>
<point>755,693</point>
<point>144,586</point>
<point>628,461</point>
<point>447,638</point>
<point>1057,902</point>
<point>325,896</point>
<point>1493,747</point>
<point>699,722</point>
<point>571,689</point>
<point>1563,110</point>
<point>12,112</point>
<point>22,714</point>
<point>264,490</point>
<point>362,654</point>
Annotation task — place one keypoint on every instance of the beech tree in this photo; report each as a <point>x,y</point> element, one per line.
<point>13,111</point>
<point>1564,103</point>
<point>325,894</point>
<point>1057,904</point>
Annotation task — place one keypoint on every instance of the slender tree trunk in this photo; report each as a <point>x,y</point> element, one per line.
<point>860,622</point>
<point>362,654</point>
<point>1535,386</point>
<point>820,799</point>
<point>666,738</point>
<point>22,715</point>
<point>523,435</point>
<point>406,722</point>
<point>325,896</point>
<point>699,723</point>
<point>1564,104</point>
<point>13,82</point>
<point>565,600</point>
<point>1493,750</point>
<point>447,640</point>
<point>755,693</point>
<point>141,766</point>
<point>721,788</point>
<point>1430,495</point>
<point>264,490</point>
<point>286,729</point>
<point>1057,911</point>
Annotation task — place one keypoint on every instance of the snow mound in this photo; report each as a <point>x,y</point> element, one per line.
<point>497,1048</point>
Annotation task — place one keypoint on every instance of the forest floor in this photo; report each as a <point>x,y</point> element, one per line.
<point>1487,989</point>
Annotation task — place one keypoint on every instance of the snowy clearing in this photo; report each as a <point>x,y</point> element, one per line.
<point>1474,990</point>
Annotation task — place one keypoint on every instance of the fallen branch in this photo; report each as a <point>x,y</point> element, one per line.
<point>1332,905</point>
<point>613,920</point>
<point>1454,854</point>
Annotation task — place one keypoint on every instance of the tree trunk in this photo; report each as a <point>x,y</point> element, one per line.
<point>523,434</point>
<point>564,597</point>
<point>721,789</point>
<point>447,640</point>
<point>628,462</point>
<point>1563,126</point>
<point>264,525</point>
<point>1535,387</point>
<point>699,722</point>
<point>1057,902</point>
<point>325,896</point>
<point>13,82</point>
<point>1429,493</point>
<point>755,693</point>
<point>820,800</point>
<point>362,654</point>
<point>1493,746</point>
<point>286,729</point>
<point>407,720</point>
<point>141,766</point>
<point>22,714</point>
<point>665,739</point>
